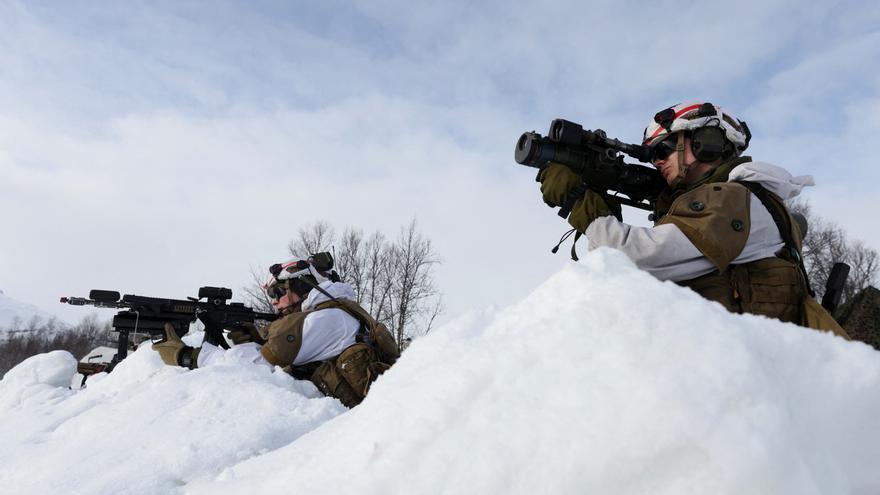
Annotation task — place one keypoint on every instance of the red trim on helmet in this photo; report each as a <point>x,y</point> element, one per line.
<point>677,115</point>
<point>686,110</point>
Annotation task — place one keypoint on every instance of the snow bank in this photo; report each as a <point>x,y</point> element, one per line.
<point>603,380</point>
<point>146,427</point>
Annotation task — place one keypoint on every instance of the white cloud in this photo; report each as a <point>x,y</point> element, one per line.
<point>156,149</point>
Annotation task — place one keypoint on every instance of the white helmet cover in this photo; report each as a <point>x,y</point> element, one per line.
<point>292,269</point>
<point>694,115</point>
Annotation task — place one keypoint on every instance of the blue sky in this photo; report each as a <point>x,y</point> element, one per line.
<point>155,147</point>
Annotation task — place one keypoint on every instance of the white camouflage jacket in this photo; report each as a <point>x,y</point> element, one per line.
<point>325,334</point>
<point>666,253</point>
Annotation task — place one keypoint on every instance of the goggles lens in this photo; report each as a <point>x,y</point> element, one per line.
<point>276,291</point>
<point>662,150</point>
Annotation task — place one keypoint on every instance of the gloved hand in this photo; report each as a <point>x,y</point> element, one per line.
<point>245,333</point>
<point>174,352</point>
<point>557,181</point>
<point>590,207</point>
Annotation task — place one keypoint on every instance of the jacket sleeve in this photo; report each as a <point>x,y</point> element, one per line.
<point>662,251</point>
<point>668,254</point>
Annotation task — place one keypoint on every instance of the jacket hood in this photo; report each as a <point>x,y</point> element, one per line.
<point>775,179</point>
<point>339,290</point>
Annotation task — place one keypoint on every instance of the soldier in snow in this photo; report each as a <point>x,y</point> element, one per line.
<point>721,227</point>
<point>323,334</point>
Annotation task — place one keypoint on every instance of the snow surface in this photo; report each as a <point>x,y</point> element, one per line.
<point>12,310</point>
<point>603,380</point>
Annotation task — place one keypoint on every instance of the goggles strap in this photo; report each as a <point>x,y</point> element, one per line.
<point>683,168</point>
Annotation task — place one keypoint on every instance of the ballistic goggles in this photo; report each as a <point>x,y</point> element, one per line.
<point>662,149</point>
<point>276,291</point>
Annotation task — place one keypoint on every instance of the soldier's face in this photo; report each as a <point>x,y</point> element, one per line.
<point>287,303</point>
<point>668,166</point>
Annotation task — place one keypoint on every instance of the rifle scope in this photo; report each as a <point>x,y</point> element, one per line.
<point>221,293</point>
<point>572,134</point>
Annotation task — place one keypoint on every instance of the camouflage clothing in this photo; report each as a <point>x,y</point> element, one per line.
<point>354,362</point>
<point>860,316</point>
<point>717,238</point>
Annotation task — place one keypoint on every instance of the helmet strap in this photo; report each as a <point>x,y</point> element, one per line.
<point>292,308</point>
<point>683,168</point>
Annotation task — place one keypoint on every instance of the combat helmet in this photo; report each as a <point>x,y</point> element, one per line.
<point>300,275</point>
<point>714,134</point>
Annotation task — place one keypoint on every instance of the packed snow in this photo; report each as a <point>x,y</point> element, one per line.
<point>603,380</point>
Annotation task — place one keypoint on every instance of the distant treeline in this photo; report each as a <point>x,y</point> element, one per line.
<point>36,336</point>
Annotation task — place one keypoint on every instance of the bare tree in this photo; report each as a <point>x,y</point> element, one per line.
<point>826,244</point>
<point>255,296</point>
<point>380,268</point>
<point>863,262</point>
<point>414,260</point>
<point>351,261</point>
<point>316,238</point>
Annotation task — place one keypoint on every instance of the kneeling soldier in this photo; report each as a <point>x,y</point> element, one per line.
<point>323,335</point>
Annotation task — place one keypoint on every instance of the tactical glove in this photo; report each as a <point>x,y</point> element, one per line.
<point>557,182</point>
<point>246,333</point>
<point>590,207</point>
<point>174,352</point>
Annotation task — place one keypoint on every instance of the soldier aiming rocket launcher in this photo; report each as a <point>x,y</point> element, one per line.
<point>596,158</point>
<point>149,314</point>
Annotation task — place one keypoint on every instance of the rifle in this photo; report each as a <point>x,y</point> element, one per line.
<point>834,286</point>
<point>87,369</point>
<point>149,314</point>
<point>596,158</point>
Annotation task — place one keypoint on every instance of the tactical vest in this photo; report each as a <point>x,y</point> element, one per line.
<point>715,217</point>
<point>347,376</point>
<point>284,339</point>
<point>374,332</point>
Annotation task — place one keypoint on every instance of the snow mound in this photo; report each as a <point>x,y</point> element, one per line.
<point>603,380</point>
<point>38,381</point>
<point>52,369</point>
<point>147,427</point>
